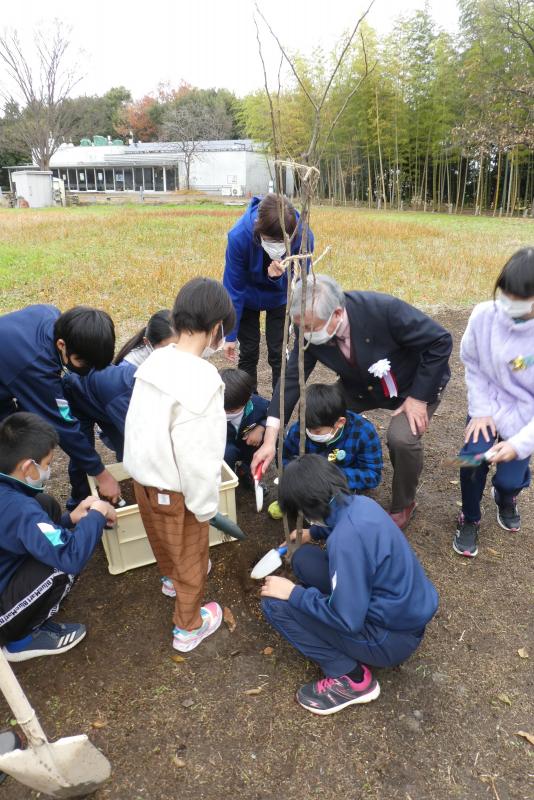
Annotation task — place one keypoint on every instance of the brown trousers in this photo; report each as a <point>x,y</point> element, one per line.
<point>181,547</point>
<point>405,453</point>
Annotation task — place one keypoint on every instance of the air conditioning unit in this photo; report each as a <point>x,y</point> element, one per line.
<point>237,191</point>
<point>226,191</point>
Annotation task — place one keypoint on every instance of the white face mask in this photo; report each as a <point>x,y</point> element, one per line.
<point>235,418</point>
<point>44,475</point>
<point>275,250</point>
<point>322,336</point>
<point>210,351</point>
<point>320,438</point>
<point>514,308</point>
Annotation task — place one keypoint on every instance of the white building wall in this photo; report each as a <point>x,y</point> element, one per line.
<point>34,187</point>
<point>212,170</point>
<point>258,172</point>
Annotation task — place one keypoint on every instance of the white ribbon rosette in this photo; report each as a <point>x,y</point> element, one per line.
<point>381,369</point>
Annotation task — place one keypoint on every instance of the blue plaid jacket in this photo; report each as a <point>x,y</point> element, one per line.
<point>357,452</point>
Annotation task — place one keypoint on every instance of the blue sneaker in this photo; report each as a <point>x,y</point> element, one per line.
<point>48,640</point>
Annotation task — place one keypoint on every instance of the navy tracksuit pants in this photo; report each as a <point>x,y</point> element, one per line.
<point>509,478</point>
<point>335,652</point>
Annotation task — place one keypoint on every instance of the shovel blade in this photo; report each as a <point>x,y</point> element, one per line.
<point>259,497</point>
<point>270,562</point>
<point>80,768</point>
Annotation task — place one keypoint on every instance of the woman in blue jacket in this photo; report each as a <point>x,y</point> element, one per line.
<point>363,599</point>
<point>256,282</point>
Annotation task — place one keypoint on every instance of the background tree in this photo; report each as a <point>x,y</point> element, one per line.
<point>97,115</point>
<point>38,82</point>
<point>188,126</point>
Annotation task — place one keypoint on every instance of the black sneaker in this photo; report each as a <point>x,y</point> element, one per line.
<point>507,513</point>
<point>465,542</point>
<point>332,694</point>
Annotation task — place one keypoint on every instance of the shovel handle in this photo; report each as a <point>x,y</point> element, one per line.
<point>259,471</point>
<point>19,704</point>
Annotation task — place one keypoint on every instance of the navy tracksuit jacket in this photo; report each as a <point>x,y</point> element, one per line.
<point>365,597</point>
<point>31,375</point>
<point>27,531</point>
<point>236,448</point>
<point>103,397</point>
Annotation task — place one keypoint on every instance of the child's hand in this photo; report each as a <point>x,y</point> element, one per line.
<point>279,588</point>
<point>306,537</point>
<point>106,509</point>
<point>82,509</point>
<point>502,451</point>
<point>255,437</point>
<point>480,425</point>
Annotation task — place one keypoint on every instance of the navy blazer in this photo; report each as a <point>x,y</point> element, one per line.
<point>236,448</point>
<point>381,326</point>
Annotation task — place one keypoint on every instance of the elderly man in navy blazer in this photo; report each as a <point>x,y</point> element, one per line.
<point>387,354</point>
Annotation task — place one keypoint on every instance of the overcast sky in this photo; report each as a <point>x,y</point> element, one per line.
<point>207,43</point>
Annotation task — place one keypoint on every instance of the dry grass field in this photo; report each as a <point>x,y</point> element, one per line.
<point>131,260</point>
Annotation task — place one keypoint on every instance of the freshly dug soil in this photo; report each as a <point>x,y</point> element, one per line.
<point>444,728</point>
<point>127,492</point>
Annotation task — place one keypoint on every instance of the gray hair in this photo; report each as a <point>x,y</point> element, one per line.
<point>326,294</point>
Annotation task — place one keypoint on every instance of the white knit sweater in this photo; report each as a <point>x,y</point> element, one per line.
<point>176,428</point>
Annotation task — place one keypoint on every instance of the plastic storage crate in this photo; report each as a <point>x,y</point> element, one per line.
<point>127,545</point>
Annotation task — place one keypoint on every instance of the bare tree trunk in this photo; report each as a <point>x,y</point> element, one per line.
<point>498,182</point>
<point>382,184</point>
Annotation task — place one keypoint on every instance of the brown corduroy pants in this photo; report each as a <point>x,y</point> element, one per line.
<point>181,547</point>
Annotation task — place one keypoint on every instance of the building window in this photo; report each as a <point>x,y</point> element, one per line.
<point>91,183</point>
<point>138,179</point>
<point>110,185</point>
<point>119,180</point>
<point>170,177</point>
<point>81,180</point>
<point>149,179</point>
<point>128,179</point>
<point>100,180</point>
<point>158,179</point>
<point>73,180</point>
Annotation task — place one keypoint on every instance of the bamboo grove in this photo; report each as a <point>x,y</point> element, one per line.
<point>442,122</point>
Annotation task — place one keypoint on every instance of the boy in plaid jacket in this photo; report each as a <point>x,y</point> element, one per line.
<point>347,439</point>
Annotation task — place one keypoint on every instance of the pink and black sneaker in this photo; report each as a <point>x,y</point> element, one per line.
<point>333,694</point>
<point>507,512</point>
<point>465,542</point>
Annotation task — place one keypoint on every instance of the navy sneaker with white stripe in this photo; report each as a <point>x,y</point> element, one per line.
<point>50,639</point>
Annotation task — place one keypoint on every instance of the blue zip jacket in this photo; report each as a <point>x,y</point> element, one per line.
<point>103,397</point>
<point>237,449</point>
<point>28,531</point>
<point>374,574</point>
<point>245,276</point>
<point>357,451</point>
<point>30,373</point>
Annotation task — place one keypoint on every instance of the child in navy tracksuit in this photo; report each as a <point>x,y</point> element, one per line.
<point>40,345</point>
<point>364,599</point>
<point>246,415</point>
<point>102,397</point>
<point>347,439</point>
<point>41,550</point>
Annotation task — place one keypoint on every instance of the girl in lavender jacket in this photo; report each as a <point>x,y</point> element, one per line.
<point>497,350</point>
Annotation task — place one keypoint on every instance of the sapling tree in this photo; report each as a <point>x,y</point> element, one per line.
<point>301,266</point>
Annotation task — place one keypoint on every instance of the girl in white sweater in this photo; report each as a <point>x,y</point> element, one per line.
<point>174,447</point>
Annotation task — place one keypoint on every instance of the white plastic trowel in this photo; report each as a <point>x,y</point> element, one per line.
<point>258,488</point>
<point>270,562</point>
